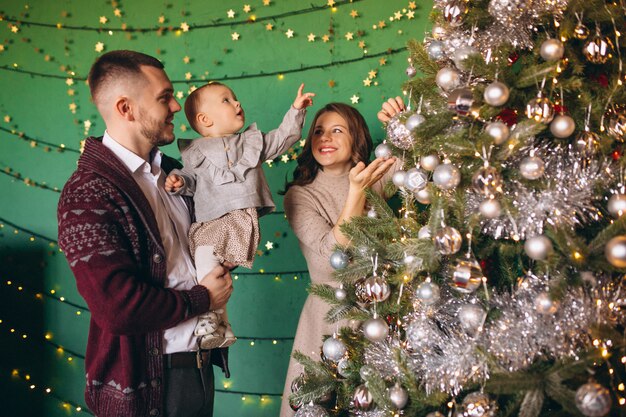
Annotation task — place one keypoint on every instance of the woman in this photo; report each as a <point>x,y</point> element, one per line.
<point>327,190</point>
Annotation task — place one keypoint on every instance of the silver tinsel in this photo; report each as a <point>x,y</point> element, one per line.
<point>567,196</point>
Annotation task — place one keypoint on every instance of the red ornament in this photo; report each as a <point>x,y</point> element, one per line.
<point>513,58</point>
<point>508,116</point>
<point>601,79</point>
<point>616,155</point>
<point>559,109</point>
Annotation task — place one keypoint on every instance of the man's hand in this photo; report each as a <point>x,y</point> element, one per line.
<point>390,108</point>
<point>174,183</point>
<point>220,286</point>
<point>303,100</point>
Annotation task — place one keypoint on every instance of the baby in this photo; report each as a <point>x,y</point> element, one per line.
<point>223,172</point>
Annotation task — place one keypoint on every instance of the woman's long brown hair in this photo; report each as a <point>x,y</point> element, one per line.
<point>307,168</point>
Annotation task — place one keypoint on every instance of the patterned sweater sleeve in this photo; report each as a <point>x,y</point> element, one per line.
<point>96,233</point>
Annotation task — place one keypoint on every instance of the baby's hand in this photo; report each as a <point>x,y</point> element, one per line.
<point>390,108</point>
<point>174,183</point>
<point>303,101</point>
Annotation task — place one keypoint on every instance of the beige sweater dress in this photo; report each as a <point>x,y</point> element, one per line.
<point>312,211</point>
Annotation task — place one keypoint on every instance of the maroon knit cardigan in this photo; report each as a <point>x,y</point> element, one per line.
<point>110,237</point>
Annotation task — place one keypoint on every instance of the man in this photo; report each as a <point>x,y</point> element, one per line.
<point>125,240</point>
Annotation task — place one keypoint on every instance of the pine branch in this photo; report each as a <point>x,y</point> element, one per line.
<point>324,291</point>
<point>338,312</point>
<point>421,58</point>
<point>532,403</point>
<point>379,204</point>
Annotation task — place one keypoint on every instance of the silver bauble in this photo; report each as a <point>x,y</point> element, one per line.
<point>339,259</point>
<point>448,240</point>
<point>540,109</point>
<point>544,304</point>
<point>467,275</point>
<point>448,78</point>
<point>499,131</point>
<point>617,205</point>
<point>297,383</point>
<point>615,251</point>
<point>478,404</point>
<point>371,213</point>
<point>342,367</point>
<point>411,71</point>
<point>598,49</point>
<point>593,400</point>
<point>398,178</point>
<point>365,372</point>
<point>562,126</point>
<point>487,181</point>
<point>411,261</point>
<point>581,31</point>
<point>376,288</point>
<point>538,247</point>
<point>446,176</point>
<point>436,50</point>
<point>496,94</point>
<point>490,208</point>
<point>340,294</point>
<point>397,132</point>
<point>587,143</point>
<point>471,317</point>
<point>311,410</point>
<point>413,121</point>
<point>461,54</point>
<point>616,116</point>
<point>334,349</point>
<point>375,330</point>
<point>423,196</point>
<point>415,180</point>
<point>383,151</point>
<point>424,232</point>
<point>362,399</point>
<point>461,100</point>
<point>398,396</point>
<point>439,32</point>
<point>532,167</point>
<point>552,49</point>
<point>453,12</point>
<point>429,162</point>
<point>427,293</point>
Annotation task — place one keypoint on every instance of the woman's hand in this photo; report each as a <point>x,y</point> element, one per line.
<point>390,108</point>
<point>362,177</point>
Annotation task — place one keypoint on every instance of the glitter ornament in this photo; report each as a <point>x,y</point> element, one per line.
<point>420,333</point>
<point>429,162</point>
<point>424,233</point>
<point>448,240</point>
<point>398,396</point>
<point>538,247</point>
<point>411,71</point>
<point>496,94</point>
<point>478,404</point>
<point>376,288</point>
<point>598,49</point>
<point>587,143</point>
<point>499,131</point>
<point>427,293</point>
<point>423,196</point>
<point>448,78</point>
<point>532,167</point>
<point>311,410</point>
<point>334,349</point>
<point>362,399</point>
<point>461,54</point>
<point>415,180</point>
<point>467,275</point>
<point>616,116</point>
<point>397,132</point>
<point>439,32</point>
<point>562,126</point>
<point>360,293</point>
<point>552,50</point>
<point>615,251</point>
<point>375,329</point>
<point>593,400</point>
<point>398,178</point>
<point>342,367</point>
<point>446,176</point>
<point>413,121</point>
<point>581,31</point>
<point>487,181</point>
<point>340,294</point>
<point>383,151</point>
<point>544,304</point>
<point>490,208</point>
<point>617,205</point>
<point>461,101</point>
<point>454,11</point>
<point>540,109</point>
<point>339,259</point>
<point>471,317</point>
<point>436,50</point>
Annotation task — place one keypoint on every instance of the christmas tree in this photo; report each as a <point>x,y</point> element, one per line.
<point>497,288</point>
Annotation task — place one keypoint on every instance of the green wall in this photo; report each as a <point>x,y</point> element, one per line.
<point>46,49</point>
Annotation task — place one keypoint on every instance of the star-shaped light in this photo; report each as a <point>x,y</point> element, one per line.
<point>382,24</point>
<point>117,13</point>
<point>354,14</point>
<point>1,47</point>
<point>69,81</point>
<point>103,19</point>
<point>235,36</point>
<point>186,60</point>
<point>269,245</point>
<point>331,3</point>
<point>184,26</point>
<point>311,37</point>
<point>354,99</point>
<point>410,14</point>
<point>230,14</point>
<point>269,26</point>
<point>71,92</point>
<point>412,5</point>
<point>361,44</point>
<point>14,29</point>
<point>325,38</point>
<point>87,124</point>
<point>397,15</point>
<point>179,95</point>
<point>99,47</point>
<point>161,19</point>
<point>382,61</point>
<point>349,36</point>
<point>188,76</point>
<point>266,2</point>
<point>372,74</point>
<point>302,142</point>
<point>269,163</point>
<point>247,8</point>
<point>284,158</point>
<point>289,33</point>
<point>367,82</point>
<point>7,118</point>
<point>183,128</point>
<point>331,84</point>
<point>72,107</point>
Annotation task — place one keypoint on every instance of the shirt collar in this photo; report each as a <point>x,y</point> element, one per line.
<point>132,161</point>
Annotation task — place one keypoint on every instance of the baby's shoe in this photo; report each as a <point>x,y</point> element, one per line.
<point>212,341</point>
<point>229,336</point>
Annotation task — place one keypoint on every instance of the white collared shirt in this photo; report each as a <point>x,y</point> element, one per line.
<point>172,217</point>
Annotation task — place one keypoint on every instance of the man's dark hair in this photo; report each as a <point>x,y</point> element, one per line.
<point>116,64</point>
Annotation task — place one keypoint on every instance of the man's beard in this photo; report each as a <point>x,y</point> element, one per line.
<point>154,130</point>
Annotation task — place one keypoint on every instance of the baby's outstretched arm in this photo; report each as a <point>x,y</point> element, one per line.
<point>174,183</point>
<point>303,100</point>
